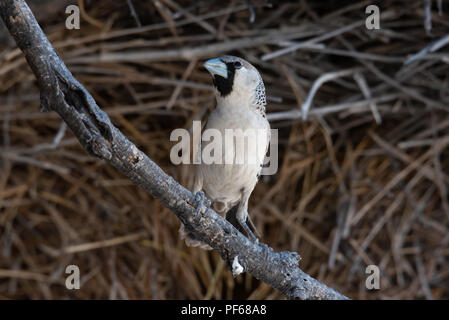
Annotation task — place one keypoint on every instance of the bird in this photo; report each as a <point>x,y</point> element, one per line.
<point>241,103</point>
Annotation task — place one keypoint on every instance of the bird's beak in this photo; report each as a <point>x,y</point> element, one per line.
<point>216,67</point>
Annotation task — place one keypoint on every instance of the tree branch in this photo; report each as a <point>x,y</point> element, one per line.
<point>61,92</point>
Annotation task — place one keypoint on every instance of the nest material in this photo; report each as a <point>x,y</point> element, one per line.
<point>364,181</point>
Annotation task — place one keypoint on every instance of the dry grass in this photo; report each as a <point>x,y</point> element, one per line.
<point>363,181</point>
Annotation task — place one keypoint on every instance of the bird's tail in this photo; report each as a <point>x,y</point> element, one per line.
<point>190,239</point>
<point>231,216</point>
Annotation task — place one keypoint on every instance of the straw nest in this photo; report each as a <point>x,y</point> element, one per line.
<point>364,181</point>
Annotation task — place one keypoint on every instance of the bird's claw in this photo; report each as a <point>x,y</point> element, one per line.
<point>200,201</point>
<point>248,231</point>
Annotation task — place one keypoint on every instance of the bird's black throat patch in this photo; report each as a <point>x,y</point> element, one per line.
<point>224,85</point>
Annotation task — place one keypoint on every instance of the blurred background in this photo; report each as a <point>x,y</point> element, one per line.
<point>364,181</point>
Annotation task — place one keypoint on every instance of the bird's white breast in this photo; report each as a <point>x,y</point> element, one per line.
<point>224,182</point>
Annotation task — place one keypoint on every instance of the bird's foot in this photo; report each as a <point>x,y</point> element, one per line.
<point>200,201</point>
<point>253,227</point>
<point>248,231</point>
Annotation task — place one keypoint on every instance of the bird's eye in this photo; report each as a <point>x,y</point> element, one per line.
<point>237,65</point>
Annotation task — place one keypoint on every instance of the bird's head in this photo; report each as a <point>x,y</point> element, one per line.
<point>236,81</point>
